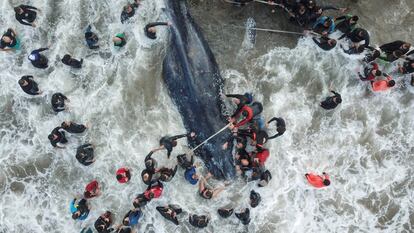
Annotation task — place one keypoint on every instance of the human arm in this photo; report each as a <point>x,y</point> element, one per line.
<point>156,24</point>
<point>28,7</point>
<point>39,50</point>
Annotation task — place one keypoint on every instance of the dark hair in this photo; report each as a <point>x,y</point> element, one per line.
<point>376,53</point>
<point>17,9</point>
<point>76,215</point>
<point>208,193</point>
<point>338,100</point>
<point>326,182</point>
<point>378,73</point>
<point>360,49</point>
<point>163,177</point>
<point>21,82</point>
<point>355,18</point>
<point>174,143</point>
<point>333,41</point>
<point>391,83</point>
<point>66,59</point>
<point>363,33</point>
<point>88,34</point>
<point>329,21</point>
<point>119,177</point>
<point>125,221</point>
<point>50,136</point>
<point>151,195</point>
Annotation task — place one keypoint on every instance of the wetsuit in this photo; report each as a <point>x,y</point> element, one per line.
<point>255,199</point>
<point>60,137</point>
<point>140,200</point>
<point>9,33</point>
<point>394,46</point>
<point>368,72</point>
<point>91,38</point>
<point>372,55</point>
<point>320,28</point>
<point>80,206</point>
<point>225,213</point>
<point>244,216</point>
<point>199,221</point>
<point>188,175</point>
<point>68,60</point>
<point>73,127</point>
<point>124,229</point>
<point>155,188</point>
<point>281,126</point>
<point>329,102</point>
<point>184,162</point>
<point>133,216</point>
<point>31,88</point>
<point>150,163</point>
<point>389,57</point>
<point>102,226</point>
<point>167,173</point>
<point>90,189</point>
<point>344,25</point>
<point>356,38</point>
<point>38,60</point>
<point>323,43</point>
<point>167,142</point>
<point>265,177</point>
<point>170,212</point>
<point>58,102</point>
<point>84,154</point>
<point>407,67</point>
<point>152,35</point>
<point>123,41</point>
<point>28,16</point>
<point>248,115</point>
<point>125,15</point>
<point>317,181</point>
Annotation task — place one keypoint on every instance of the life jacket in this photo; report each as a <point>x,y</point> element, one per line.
<point>249,116</point>
<point>369,71</point>
<point>262,156</point>
<point>157,190</point>
<point>316,181</point>
<point>120,172</point>
<point>381,85</point>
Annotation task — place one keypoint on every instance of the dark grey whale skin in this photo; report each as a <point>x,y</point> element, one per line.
<point>193,80</point>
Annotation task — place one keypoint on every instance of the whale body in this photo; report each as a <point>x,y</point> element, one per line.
<point>193,80</point>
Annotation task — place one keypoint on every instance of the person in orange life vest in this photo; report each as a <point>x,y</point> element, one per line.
<point>383,85</point>
<point>154,190</point>
<point>92,190</point>
<point>261,155</point>
<point>123,175</point>
<point>247,113</point>
<point>240,101</point>
<point>318,181</point>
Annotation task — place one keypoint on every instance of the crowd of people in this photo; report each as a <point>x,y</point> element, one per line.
<point>249,130</point>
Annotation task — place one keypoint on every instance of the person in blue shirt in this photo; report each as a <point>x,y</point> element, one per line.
<point>91,38</point>
<point>191,176</point>
<point>79,209</point>
<point>324,25</point>
<point>132,217</point>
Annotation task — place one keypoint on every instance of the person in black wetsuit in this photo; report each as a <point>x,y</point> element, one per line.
<point>129,10</point>
<point>166,174</point>
<point>244,216</point>
<point>240,101</point>
<point>357,35</point>
<point>407,68</point>
<point>81,208</point>
<point>150,30</point>
<point>57,136</point>
<point>170,212</point>
<point>26,15</point>
<point>398,45</point>
<point>168,143</point>
<point>140,200</point>
<point>332,101</point>
<point>103,223</point>
<point>85,154</point>
<point>300,14</point>
<point>72,127</point>
<point>255,199</point>
<point>225,212</point>
<point>346,23</point>
<point>325,43</point>
<point>58,102</point>
<point>9,39</point>
<point>29,86</point>
<point>72,62</point>
<point>150,174</point>
<point>38,60</point>
<point>265,177</point>
<point>199,221</point>
<point>391,57</point>
<point>372,55</point>
<point>281,126</point>
<point>91,38</point>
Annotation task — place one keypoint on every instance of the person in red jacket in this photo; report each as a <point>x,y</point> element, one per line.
<point>370,72</point>
<point>123,175</point>
<point>92,190</point>
<point>382,85</point>
<point>262,155</point>
<point>154,190</point>
<point>318,181</point>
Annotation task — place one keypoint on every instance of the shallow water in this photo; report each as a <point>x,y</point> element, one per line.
<point>365,144</point>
